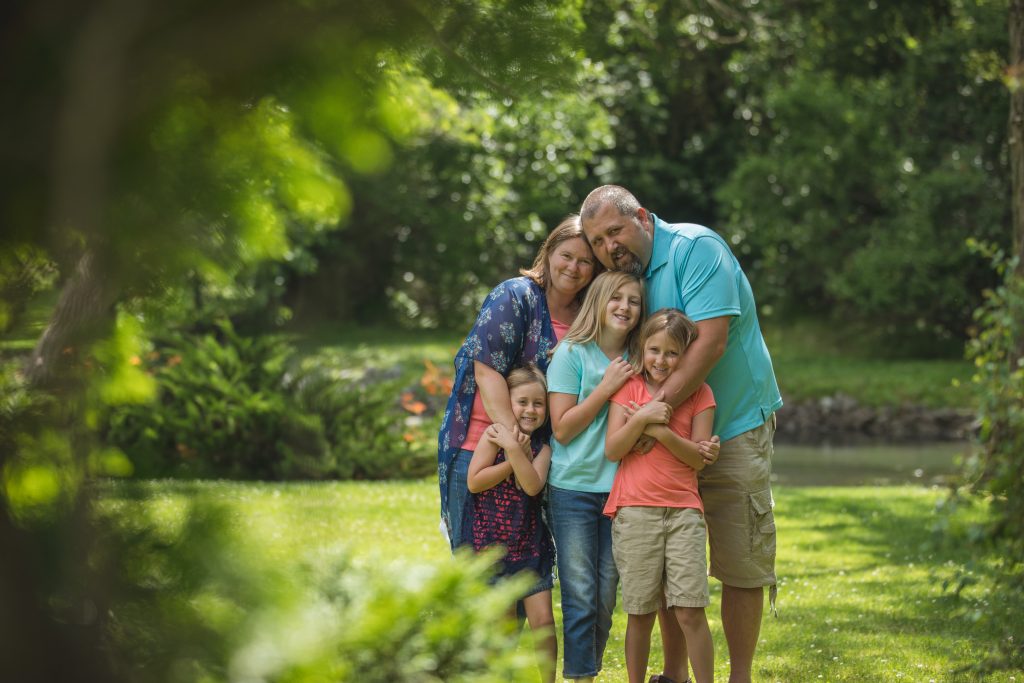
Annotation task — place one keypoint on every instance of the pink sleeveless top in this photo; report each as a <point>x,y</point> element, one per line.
<point>478,420</point>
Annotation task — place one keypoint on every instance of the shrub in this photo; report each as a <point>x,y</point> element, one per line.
<point>374,424</point>
<point>996,472</point>
<point>222,410</point>
<point>237,407</point>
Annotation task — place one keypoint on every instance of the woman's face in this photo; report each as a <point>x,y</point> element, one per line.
<point>623,310</point>
<point>571,265</point>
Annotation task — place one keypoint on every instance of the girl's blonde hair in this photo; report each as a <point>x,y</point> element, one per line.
<point>526,374</point>
<point>589,324</point>
<point>680,329</point>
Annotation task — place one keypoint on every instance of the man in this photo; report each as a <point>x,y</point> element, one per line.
<point>691,268</point>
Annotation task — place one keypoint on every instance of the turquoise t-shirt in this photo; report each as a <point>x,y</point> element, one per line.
<point>693,269</point>
<point>580,465</point>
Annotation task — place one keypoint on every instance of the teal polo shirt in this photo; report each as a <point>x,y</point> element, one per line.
<point>693,269</point>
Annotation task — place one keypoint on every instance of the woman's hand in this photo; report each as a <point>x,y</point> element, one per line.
<point>491,433</point>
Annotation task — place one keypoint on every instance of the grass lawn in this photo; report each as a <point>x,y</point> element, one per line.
<point>809,361</point>
<point>813,360</point>
<point>860,596</point>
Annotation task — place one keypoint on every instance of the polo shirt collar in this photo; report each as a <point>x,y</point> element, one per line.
<point>659,249</point>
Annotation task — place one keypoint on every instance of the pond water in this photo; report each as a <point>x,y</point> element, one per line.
<point>863,465</point>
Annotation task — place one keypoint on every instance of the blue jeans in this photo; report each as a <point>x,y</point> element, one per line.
<point>458,494</point>
<point>587,574</point>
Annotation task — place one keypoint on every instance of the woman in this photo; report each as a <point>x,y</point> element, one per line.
<point>520,321</point>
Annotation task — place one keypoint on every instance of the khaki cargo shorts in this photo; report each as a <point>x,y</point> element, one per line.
<point>658,551</point>
<point>737,496</point>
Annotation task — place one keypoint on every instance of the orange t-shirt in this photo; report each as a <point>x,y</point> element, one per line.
<point>657,478</point>
<point>478,419</point>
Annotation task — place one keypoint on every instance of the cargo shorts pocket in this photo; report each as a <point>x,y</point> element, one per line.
<point>762,523</point>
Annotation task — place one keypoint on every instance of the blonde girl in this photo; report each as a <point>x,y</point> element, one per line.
<point>589,365</point>
<point>658,533</point>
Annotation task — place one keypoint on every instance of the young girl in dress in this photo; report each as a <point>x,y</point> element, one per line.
<point>658,532</point>
<point>506,478</point>
<point>590,364</point>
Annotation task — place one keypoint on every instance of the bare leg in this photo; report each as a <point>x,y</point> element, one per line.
<point>698,638</point>
<point>741,621</point>
<point>673,644</point>
<point>542,625</point>
<point>638,645</point>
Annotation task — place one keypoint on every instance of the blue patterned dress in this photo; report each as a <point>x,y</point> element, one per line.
<point>512,329</point>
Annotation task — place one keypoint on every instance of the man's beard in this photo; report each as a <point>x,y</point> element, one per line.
<point>628,263</point>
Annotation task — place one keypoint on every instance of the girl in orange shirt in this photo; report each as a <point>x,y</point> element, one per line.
<point>658,533</point>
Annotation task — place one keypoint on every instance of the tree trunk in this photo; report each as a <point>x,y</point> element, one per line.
<point>1016,127</point>
<point>84,310</point>
<point>38,644</point>
<point>1015,135</point>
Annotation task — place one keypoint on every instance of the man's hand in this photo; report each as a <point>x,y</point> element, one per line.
<point>644,444</point>
<point>709,449</point>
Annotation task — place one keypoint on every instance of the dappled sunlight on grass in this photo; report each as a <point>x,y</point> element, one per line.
<point>861,590</point>
<point>860,569</point>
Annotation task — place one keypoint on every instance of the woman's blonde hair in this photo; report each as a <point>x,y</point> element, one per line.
<point>589,324</point>
<point>680,329</point>
<point>568,229</point>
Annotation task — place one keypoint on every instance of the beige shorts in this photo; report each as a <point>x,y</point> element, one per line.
<point>660,551</point>
<point>738,503</point>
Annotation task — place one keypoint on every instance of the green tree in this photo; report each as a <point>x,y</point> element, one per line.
<point>876,148</point>
<point>662,71</point>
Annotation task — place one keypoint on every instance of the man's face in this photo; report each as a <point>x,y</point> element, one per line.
<point>620,242</point>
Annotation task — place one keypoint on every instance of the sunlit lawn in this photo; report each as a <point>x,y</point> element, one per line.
<point>810,361</point>
<point>860,586</point>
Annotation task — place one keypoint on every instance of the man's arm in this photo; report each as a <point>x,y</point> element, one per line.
<point>699,359</point>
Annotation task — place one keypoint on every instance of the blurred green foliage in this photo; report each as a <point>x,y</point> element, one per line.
<point>194,597</point>
<point>167,166</point>
<point>372,415</point>
<point>846,153</point>
<point>472,193</point>
<point>25,271</point>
